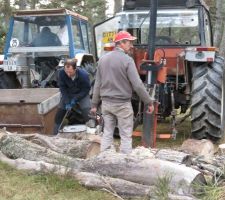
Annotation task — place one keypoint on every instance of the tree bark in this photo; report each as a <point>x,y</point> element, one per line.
<point>173,156</point>
<point>122,187</point>
<point>115,185</point>
<point>91,180</point>
<point>222,43</point>
<point>15,147</point>
<point>74,148</point>
<point>117,6</point>
<point>133,167</point>
<point>36,166</point>
<point>146,171</point>
<point>219,26</point>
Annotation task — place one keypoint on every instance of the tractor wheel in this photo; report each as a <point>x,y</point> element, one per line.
<point>207,108</point>
<point>8,81</point>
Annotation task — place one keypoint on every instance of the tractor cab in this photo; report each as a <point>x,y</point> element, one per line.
<point>177,26</point>
<point>38,40</point>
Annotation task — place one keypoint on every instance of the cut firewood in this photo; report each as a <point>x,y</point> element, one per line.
<point>133,167</point>
<point>74,148</point>
<point>36,166</point>
<point>90,180</point>
<point>15,147</point>
<point>180,197</point>
<point>145,171</point>
<point>120,186</point>
<point>174,156</point>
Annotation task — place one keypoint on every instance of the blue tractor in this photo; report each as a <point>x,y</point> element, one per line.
<point>37,43</point>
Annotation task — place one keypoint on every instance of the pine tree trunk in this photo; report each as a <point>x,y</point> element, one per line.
<point>117,6</point>
<point>222,43</point>
<point>219,26</point>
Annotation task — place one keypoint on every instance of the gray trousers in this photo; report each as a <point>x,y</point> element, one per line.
<point>122,113</point>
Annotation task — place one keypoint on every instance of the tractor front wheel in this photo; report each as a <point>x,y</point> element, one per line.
<point>207,108</point>
<point>8,80</point>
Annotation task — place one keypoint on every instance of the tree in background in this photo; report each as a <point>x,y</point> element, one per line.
<point>219,32</point>
<point>6,12</point>
<point>117,6</point>
<point>217,13</point>
<point>93,9</point>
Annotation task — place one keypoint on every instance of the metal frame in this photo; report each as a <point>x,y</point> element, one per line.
<point>52,12</point>
<point>70,33</point>
<point>8,37</point>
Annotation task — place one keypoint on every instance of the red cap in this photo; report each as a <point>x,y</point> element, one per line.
<point>123,35</point>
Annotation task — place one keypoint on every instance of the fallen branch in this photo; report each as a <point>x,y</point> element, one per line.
<point>69,147</point>
<point>174,156</point>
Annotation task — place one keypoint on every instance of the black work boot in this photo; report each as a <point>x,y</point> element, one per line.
<point>56,129</point>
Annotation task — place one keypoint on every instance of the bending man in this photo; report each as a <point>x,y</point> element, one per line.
<point>74,85</point>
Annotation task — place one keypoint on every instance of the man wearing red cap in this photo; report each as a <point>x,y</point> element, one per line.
<point>116,79</point>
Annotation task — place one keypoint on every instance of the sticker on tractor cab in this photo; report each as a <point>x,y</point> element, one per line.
<point>14,42</point>
<point>108,37</point>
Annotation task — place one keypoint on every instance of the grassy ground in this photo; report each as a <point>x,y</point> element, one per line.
<point>165,127</point>
<point>19,185</point>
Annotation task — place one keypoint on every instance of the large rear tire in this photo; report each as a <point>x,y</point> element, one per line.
<point>207,108</point>
<point>8,80</point>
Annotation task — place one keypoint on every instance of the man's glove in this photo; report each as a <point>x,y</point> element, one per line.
<point>73,102</point>
<point>68,106</point>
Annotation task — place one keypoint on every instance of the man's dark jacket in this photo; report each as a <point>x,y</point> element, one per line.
<point>75,89</point>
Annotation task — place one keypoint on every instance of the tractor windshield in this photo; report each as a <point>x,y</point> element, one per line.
<point>39,31</point>
<point>174,27</point>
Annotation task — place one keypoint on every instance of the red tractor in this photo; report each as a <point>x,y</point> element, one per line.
<point>175,57</point>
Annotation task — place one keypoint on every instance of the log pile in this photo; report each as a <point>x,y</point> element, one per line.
<point>130,175</point>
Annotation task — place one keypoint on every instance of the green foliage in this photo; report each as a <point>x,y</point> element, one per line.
<point>93,9</point>
<point>211,191</point>
<point>162,187</point>
<point>3,32</point>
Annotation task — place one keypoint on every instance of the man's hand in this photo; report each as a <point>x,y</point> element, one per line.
<point>93,110</point>
<point>68,106</point>
<point>150,108</point>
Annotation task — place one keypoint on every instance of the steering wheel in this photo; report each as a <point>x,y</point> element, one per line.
<point>163,40</point>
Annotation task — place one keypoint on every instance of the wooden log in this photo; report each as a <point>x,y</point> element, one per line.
<point>133,168</point>
<point>212,169</point>
<point>90,180</point>
<point>146,171</point>
<point>204,147</point>
<point>69,147</point>
<point>77,136</point>
<point>180,197</point>
<point>123,187</point>
<point>173,156</point>
<point>115,185</point>
<point>36,166</point>
<point>15,147</point>
<point>74,148</point>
